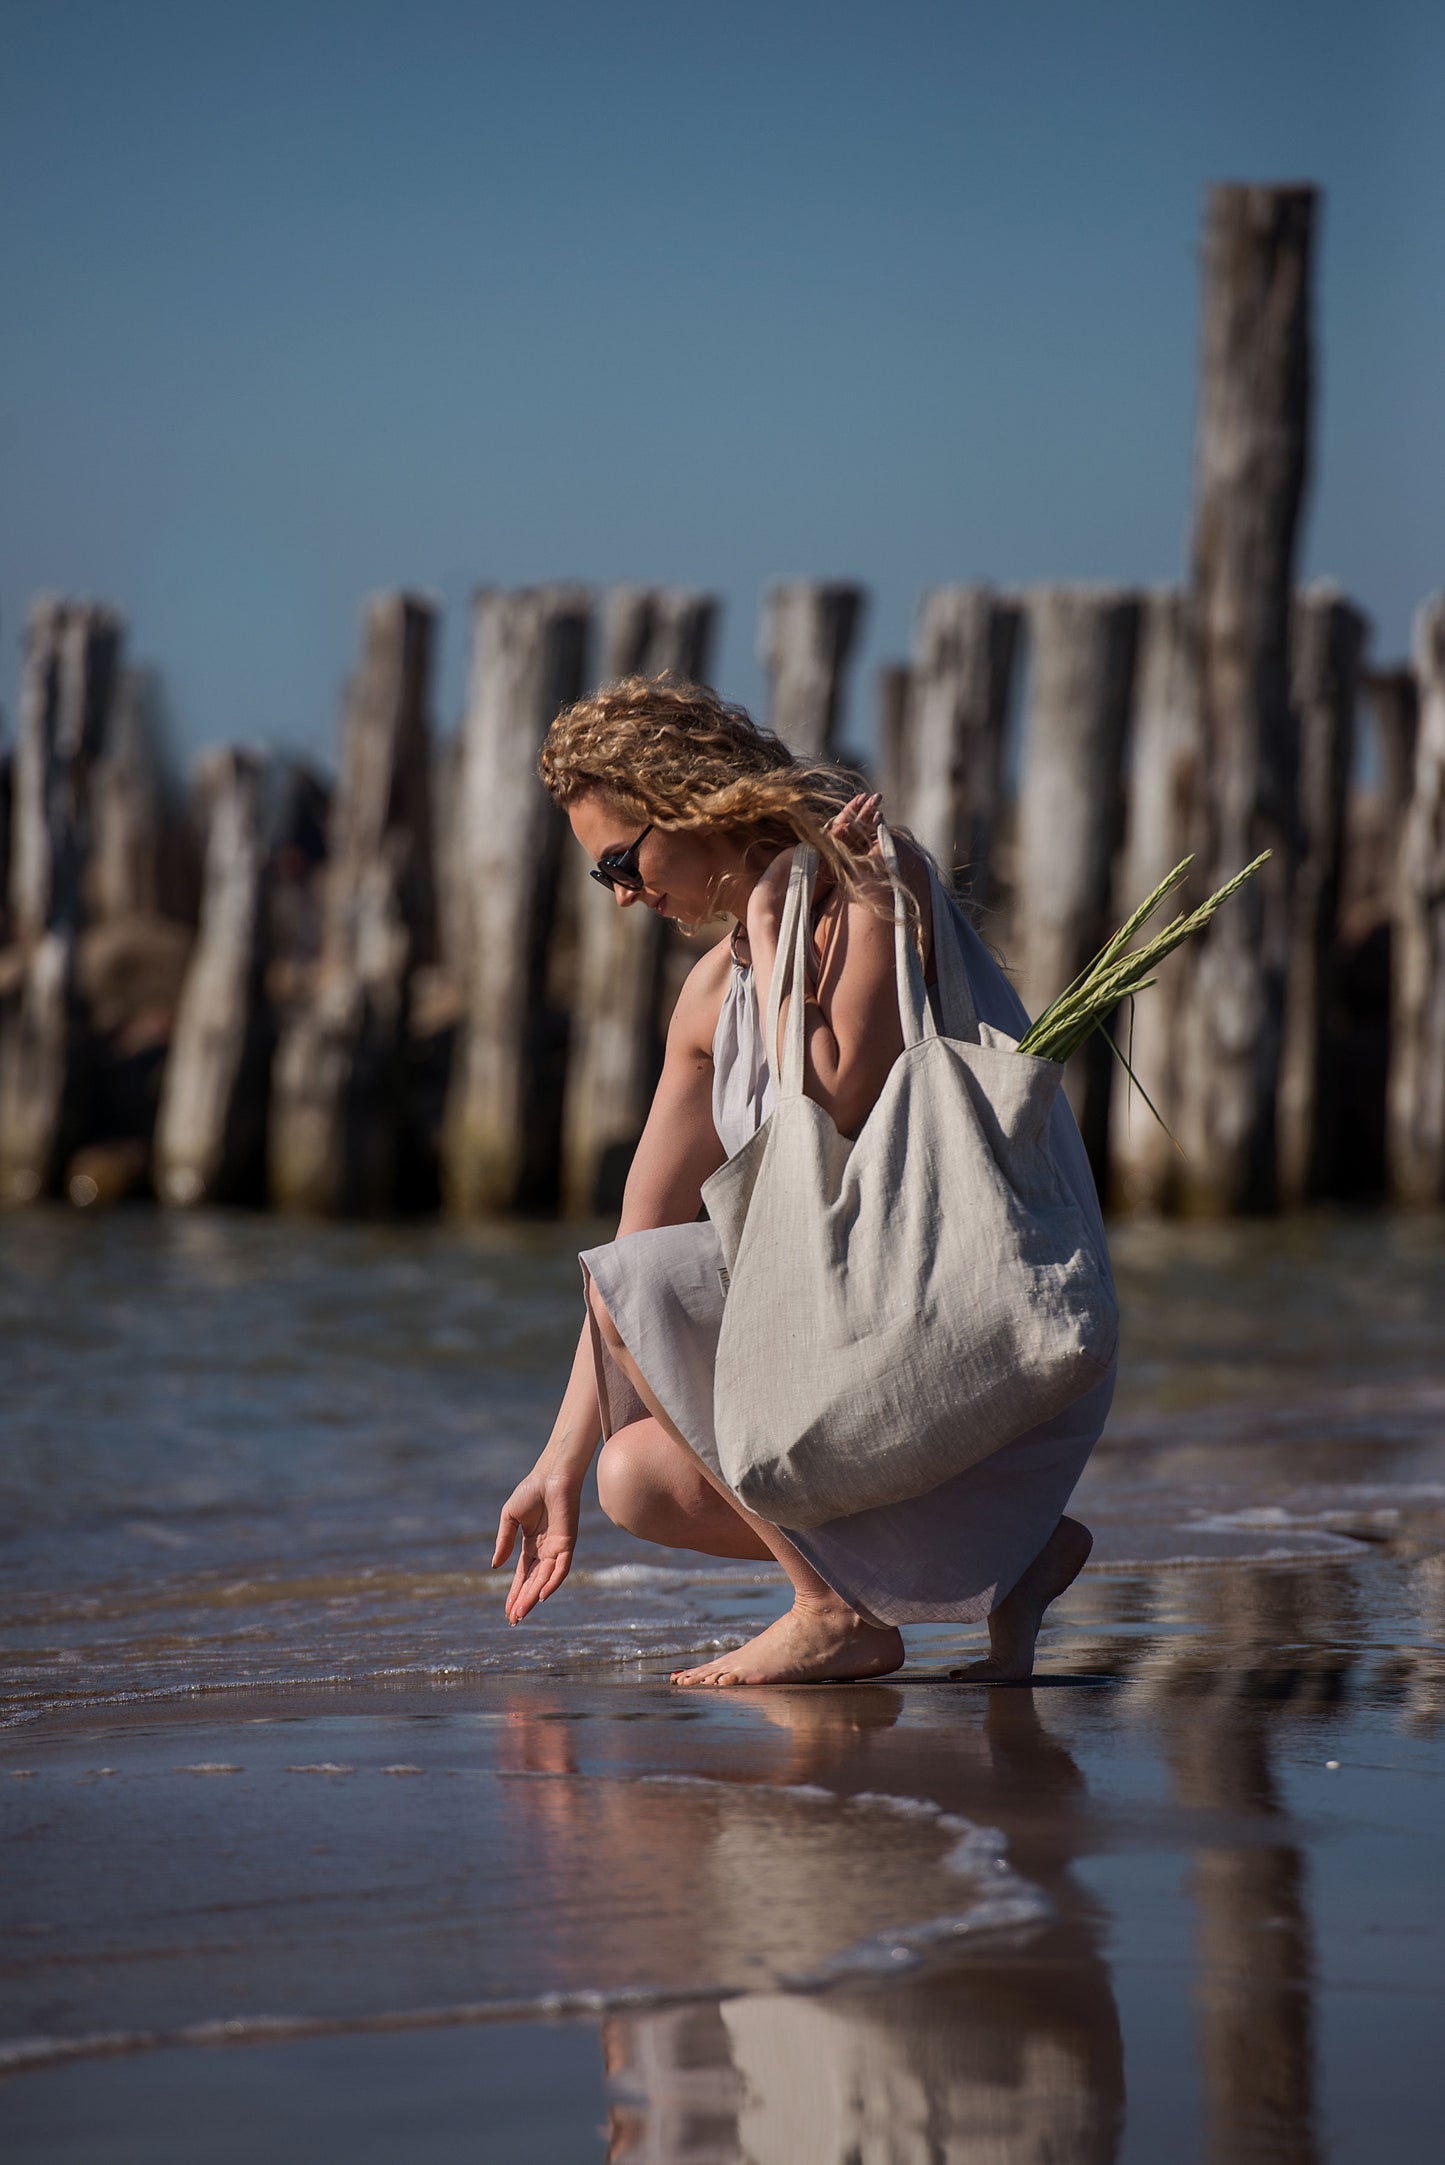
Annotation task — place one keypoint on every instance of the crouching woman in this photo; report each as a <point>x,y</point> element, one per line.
<point>690,810</point>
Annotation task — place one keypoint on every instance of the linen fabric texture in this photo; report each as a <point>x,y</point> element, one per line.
<point>899,1305</point>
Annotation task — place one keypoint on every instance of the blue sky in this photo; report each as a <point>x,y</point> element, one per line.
<point>301,301</point>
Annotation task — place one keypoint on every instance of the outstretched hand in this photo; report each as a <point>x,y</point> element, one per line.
<point>544,1510</point>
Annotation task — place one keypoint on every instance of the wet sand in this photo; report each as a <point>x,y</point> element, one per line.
<point>1177,1900</point>
<point>306,1852</point>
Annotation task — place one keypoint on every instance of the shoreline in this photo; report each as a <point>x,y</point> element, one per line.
<point>1238,1817</point>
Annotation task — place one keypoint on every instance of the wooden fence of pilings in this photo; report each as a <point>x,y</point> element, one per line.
<point>378,997</point>
<point>404,992</point>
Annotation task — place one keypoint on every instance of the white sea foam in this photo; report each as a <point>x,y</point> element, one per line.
<point>661,1578</point>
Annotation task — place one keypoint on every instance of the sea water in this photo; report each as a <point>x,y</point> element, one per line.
<point>243,1450</point>
<point>305,1845</point>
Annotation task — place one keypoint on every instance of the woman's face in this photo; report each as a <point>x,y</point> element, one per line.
<point>692,877</point>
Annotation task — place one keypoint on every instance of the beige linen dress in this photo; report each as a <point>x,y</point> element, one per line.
<point>951,1554</point>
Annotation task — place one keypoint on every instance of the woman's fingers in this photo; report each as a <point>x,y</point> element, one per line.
<point>537,1577</point>
<point>556,1573</point>
<point>857,823</point>
<point>547,1524</point>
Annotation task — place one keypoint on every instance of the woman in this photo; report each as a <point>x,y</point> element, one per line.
<point>690,810</point>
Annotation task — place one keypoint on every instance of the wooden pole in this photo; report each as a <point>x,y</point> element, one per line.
<point>962,682</point>
<point>44,1071</point>
<point>615,1054</point>
<point>1394,699</point>
<point>1328,642</point>
<point>72,656</point>
<point>503,1125</point>
<point>210,1144</point>
<point>1416,1110</point>
<point>1375,805</point>
<point>340,1083</point>
<point>1251,463</point>
<point>808,633</point>
<point>141,894</point>
<point>1162,795</point>
<point>893,765</point>
<point>143,861</point>
<point>67,687</point>
<point>653,630</point>
<point>7,808</point>
<point>1071,810</point>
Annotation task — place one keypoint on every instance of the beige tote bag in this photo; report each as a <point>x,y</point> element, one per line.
<point>900,1305</point>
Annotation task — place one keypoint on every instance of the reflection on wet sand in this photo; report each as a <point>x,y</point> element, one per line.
<point>1424,1666</point>
<point>1011,2055</point>
<point>738,1880</point>
<point>1265,1640</point>
<point>1225,1810</point>
<point>1017,2056</point>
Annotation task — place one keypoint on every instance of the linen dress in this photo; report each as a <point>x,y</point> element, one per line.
<point>951,1554</point>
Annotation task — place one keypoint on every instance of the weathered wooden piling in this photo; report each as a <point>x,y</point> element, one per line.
<point>503,1124</point>
<point>143,858</point>
<point>1251,463</point>
<point>614,1053</point>
<point>1070,813</point>
<point>339,1088</point>
<point>1394,700</point>
<point>1416,1111</point>
<point>7,802</point>
<point>1375,805</point>
<point>892,767</point>
<point>210,1143</point>
<point>809,628</point>
<point>651,631</point>
<point>67,687</point>
<point>43,1070</point>
<point>1163,785</point>
<point>963,675</point>
<point>1328,641</point>
<point>72,655</point>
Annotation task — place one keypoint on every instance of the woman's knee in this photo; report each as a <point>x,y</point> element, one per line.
<point>631,1486</point>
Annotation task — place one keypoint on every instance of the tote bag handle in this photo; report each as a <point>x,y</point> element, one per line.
<point>960,1017</point>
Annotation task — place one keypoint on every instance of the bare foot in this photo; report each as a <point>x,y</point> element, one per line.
<point>816,1642</point>
<point>1014,1625</point>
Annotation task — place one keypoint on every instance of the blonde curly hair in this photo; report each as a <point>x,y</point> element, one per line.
<point>676,754</point>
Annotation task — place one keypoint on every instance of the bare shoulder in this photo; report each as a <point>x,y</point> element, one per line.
<point>694,1019</point>
<point>869,916</point>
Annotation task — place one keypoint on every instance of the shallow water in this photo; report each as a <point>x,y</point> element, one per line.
<point>307,1848</point>
<point>243,1450</point>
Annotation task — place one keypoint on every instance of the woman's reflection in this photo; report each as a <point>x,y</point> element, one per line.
<point>1008,2054</point>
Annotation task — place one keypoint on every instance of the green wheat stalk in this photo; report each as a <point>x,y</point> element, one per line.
<point>1116,975</point>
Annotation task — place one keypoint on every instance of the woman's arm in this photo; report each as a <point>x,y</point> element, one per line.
<point>679,1147</point>
<point>851,1031</point>
<point>678,1150</point>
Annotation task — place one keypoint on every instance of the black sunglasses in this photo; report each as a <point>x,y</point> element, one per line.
<point>618,867</point>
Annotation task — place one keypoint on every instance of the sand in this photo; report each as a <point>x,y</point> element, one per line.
<point>306,1854</point>
<point>1178,1900</point>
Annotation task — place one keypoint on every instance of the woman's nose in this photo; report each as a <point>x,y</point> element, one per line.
<point>624,897</point>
